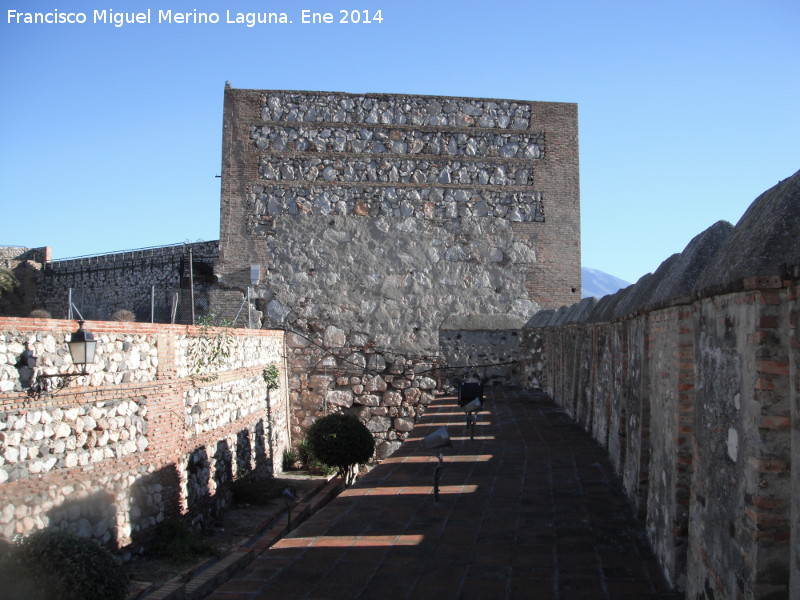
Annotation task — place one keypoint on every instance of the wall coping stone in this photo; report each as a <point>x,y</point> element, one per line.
<point>482,323</point>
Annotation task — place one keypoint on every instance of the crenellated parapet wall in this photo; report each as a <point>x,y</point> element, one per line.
<point>164,420</point>
<point>690,380</point>
<point>695,404</point>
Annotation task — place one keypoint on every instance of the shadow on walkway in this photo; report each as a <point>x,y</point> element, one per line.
<point>529,508</point>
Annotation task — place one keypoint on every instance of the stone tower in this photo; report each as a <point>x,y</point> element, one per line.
<point>384,214</point>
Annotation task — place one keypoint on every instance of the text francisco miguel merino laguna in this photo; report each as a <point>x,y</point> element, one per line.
<point>119,19</point>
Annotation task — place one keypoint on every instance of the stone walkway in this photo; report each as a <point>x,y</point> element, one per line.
<point>529,508</point>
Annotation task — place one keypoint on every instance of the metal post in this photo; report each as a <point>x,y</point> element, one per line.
<point>436,473</point>
<point>249,312</point>
<point>191,283</point>
<point>174,308</point>
<point>152,304</point>
<point>69,310</point>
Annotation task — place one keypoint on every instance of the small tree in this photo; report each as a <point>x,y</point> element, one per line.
<point>341,441</point>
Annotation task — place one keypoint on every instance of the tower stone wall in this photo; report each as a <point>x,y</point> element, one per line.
<point>385,214</point>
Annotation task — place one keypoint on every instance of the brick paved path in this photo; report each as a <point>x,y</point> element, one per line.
<point>528,509</point>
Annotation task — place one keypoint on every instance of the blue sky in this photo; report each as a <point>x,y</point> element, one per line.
<point>111,137</point>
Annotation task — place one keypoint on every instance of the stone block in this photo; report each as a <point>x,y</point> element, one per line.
<point>375,384</point>
<point>386,449</point>
<point>368,400</point>
<point>379,424</point>
<point>426,383</point>
<point>411,395</point>
<point>392,399</point>
<point>342,398</point>
<point>403,424</point>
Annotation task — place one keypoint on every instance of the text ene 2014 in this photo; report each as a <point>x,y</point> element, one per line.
<point>345,16</point>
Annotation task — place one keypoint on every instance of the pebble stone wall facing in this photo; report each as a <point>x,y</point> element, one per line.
<point>151,432</point>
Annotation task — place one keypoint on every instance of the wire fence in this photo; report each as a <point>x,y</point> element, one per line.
<point>161,304</point>
<point>169,284</point>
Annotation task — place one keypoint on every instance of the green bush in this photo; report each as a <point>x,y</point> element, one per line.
<point>53,564</point>
<point>176,543</point>
<point>304,453</point>
<point>341,441</point>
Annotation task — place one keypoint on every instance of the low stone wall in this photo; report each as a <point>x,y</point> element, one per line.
<point>483,347</point>
<point>166,418</point>
<point>330,371</point>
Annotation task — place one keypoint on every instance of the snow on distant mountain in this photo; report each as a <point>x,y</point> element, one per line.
<point>598,284</point>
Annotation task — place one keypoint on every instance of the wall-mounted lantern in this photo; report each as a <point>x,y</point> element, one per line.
<point>82,346</point>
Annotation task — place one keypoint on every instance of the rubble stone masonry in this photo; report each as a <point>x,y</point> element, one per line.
<point>383,214</point>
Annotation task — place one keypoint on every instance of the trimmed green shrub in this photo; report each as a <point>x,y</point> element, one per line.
<point>53,564</point>
<point>341,441</point>
<point>304,453</point>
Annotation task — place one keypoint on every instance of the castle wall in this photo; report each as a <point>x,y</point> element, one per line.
<point>690,380</point>
<point>698,423</point>
<point>144,282</point>
<point>26,265</point>
<point>166,418</point>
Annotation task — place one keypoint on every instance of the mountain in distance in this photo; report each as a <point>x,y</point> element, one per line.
<point>598,284</point>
